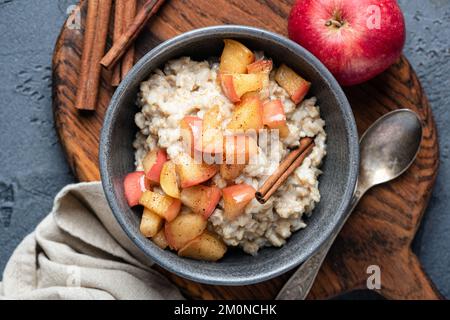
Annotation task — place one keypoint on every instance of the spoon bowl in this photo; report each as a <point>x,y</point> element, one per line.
<point>388,147</point>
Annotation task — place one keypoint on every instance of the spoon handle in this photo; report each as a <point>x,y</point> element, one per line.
<point>300,283</point>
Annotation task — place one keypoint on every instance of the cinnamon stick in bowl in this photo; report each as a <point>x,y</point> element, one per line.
<point>285,169</point>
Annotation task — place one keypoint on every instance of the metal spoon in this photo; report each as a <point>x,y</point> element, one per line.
<point>388,148</point>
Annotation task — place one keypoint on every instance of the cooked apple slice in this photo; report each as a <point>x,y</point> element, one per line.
<point>260,66</point>
<point>169,180</point>
<point>229,172</point>
<point>134,185</point>
<point>160,239</point>
<point>236,198</point>
<point>234,86</point>
<point>151,223</point>
<point>153,163</point>
<point>235,57</point>
<point>183,229</point>
<point>289,80</point>
<point>212,136</point>
<point>191,132</point>
<point>164,206</point>
<point>201,199</point>
<point>263,67</point>
<point>206,247</point>
<point>239,149</point>
<point>191,173</point>
<point>274,117</point>
<point>247,115</point>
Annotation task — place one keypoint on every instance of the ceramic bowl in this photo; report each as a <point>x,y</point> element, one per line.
<point>340,167</point>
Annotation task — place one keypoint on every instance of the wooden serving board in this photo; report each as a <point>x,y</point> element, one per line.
<point>381,229</point>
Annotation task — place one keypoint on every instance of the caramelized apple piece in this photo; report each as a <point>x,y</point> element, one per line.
<point>134,185</point>
<point>164,206</point>
<point>275,118</point>
<point>236,198</point>
<point>160,239</point>
<point>296,86</point>
<point>235,57</point>
<point>229,172</point>
<point>192,173</point>
<point>248,115</point>
<point>201,199</point>
<point>191,132</point>
<point>151,223</point>
<point>212,136</point>
<point>260,66</point>
<point>168,180</point>
<point>183,229</point>
<point>234,86</point>
<point>206,247</point>
<point>263,67</point>
<point>153,163</point>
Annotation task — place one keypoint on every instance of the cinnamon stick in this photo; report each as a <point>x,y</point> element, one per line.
<point>287,166</point>
<point>128,58</point>
<point>97,22</point>
<point>118,49</point>
<point>119,26</point>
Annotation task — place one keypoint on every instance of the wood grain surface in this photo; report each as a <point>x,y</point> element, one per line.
<point>381,229</point>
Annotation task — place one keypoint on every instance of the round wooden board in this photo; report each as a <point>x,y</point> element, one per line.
<point>381,229</point>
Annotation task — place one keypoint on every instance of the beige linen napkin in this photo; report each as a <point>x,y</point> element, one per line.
<point>80,252</point>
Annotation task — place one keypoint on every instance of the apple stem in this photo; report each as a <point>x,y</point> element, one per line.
<point>335,23</point>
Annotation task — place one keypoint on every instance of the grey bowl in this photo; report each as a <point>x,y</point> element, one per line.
<point>337,183</point>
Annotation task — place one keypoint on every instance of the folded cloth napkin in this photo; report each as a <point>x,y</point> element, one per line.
<point>80,252</point>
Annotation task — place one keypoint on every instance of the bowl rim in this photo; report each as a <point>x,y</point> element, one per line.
<point>351,133</point>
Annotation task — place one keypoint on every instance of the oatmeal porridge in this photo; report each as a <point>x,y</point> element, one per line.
<point>184,91</point>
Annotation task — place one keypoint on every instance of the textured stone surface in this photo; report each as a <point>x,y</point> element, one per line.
<point>428,48</point>
<point>33,168</point>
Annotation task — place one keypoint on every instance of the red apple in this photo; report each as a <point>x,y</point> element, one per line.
<point>355,39</point>
<point>134,185</point>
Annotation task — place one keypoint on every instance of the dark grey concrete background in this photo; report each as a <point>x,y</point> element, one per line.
<point>33,167</point>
